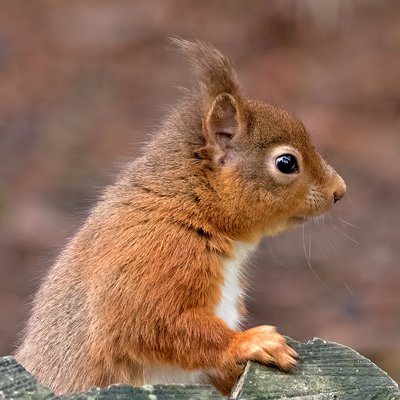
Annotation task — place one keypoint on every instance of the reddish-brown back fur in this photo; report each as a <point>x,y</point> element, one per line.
<point>138,285</point>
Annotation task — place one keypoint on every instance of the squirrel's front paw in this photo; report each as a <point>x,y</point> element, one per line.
<point>265,345</point>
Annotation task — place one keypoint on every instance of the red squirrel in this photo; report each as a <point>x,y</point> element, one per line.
<point>150,289</point>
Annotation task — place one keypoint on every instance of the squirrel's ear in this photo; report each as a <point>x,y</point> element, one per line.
<point>223,123</point>
<point>222,107</point>
<point>212,69</point>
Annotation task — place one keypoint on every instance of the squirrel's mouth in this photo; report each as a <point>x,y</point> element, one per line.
<point>299,219</point>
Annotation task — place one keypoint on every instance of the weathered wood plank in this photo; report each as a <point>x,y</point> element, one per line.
<point>17,383</point>
<point>326,371</point>
<point>149,392</point>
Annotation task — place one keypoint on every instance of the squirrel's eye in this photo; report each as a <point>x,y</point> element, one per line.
<point>287,164</point>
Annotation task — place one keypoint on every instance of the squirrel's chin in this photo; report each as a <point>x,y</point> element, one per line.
<point>300,219</point>
<point>289,224</point>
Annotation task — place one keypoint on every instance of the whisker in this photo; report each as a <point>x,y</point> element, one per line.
<point>320,246</point>
<point>348,223</point>
<point>276,258</point>
<point>309,262</point>
<point>327,239</point>
<point>314,222</point>
<point>350,238</point>
<point>342,232</point>
<point>316,203</point>
<point>345,283</point>
<point>348,198</point>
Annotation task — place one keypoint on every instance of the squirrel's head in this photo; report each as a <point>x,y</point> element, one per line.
<point>264,168</point>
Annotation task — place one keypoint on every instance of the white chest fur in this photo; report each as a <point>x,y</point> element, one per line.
<point>232,291</point>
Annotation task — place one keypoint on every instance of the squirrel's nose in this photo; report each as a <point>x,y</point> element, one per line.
<point>338,195</point>
<point>340,189</point>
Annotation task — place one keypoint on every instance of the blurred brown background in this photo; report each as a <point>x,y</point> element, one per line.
<point>82,83</point>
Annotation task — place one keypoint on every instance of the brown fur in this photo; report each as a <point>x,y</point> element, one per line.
<point>138,285</point>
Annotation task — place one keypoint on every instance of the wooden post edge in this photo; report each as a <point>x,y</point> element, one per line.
<point>326,370</point>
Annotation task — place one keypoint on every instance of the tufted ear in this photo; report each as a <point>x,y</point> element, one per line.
<point>212,69</point>
<point>224,123</point>
<point>222,107</point>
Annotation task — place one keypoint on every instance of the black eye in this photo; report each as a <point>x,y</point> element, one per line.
<point>287,164</point>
